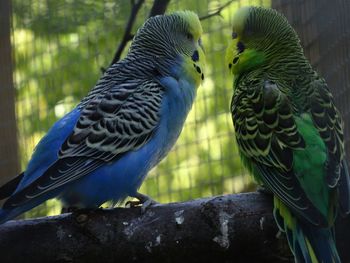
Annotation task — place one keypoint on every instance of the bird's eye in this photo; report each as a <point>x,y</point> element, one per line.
<point>189,36</point>
<point>234,35</point>
<point>240,47</point>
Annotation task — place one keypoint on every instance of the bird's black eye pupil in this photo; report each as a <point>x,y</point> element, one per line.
<point>189,36</point>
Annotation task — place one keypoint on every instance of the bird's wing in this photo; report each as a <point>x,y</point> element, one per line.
<point>123,120</point>
<point>8,188</point>
<point>329,124</point>
<point>265,127</point>
<point>111,124</point>
<point>267,135</point>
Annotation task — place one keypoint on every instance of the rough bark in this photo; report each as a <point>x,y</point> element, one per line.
<point>237,228</point>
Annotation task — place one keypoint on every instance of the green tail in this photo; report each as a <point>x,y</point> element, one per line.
<point>308,243</point>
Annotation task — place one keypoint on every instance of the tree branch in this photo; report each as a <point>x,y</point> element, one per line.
<point>217,12</point>
<point>158,8</point>
<point>218,229</point>
<point>127,32</point>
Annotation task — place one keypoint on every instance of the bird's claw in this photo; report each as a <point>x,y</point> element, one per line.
<point>132,203</point>
<point>143,200</point>
<point>147,204</point>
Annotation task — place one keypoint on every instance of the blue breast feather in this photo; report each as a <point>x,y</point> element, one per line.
<point>117,180</point>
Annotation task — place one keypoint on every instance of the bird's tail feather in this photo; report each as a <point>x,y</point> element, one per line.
<point>8,188</point>
<point>11,213</point>
<point>6,214</point>
<point>309,244</point>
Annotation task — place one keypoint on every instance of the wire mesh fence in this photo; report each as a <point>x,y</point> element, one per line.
<point>8,144</point>
<point>59,47</point>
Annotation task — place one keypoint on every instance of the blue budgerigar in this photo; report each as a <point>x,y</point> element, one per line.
<point>103,149</point>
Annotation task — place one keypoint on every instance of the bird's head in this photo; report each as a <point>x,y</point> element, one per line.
<point>173,38</point>
<point>259,36</point>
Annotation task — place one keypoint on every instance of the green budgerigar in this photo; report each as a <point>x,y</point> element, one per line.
<point>289,132</point>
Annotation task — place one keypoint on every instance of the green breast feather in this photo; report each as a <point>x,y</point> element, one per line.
<point>309,164</point>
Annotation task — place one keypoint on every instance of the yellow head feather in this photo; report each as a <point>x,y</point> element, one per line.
<point>194,69</point>
<point>238,57</point>
<point>239,20</point>
<point>193,21</point>
<point>237,29</point>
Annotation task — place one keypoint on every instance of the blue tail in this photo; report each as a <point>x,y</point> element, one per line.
<point>8,214</point>
<point>11,213</point>
<point>308,243</point>
<point>321,241</point>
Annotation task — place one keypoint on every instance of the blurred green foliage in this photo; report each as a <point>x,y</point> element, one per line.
<point>59,47</point>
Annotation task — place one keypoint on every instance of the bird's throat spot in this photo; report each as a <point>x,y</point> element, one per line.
<point>195,56</point>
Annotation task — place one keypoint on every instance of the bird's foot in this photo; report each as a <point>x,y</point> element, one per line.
<point>263,190</point>
<point>143,200</point>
